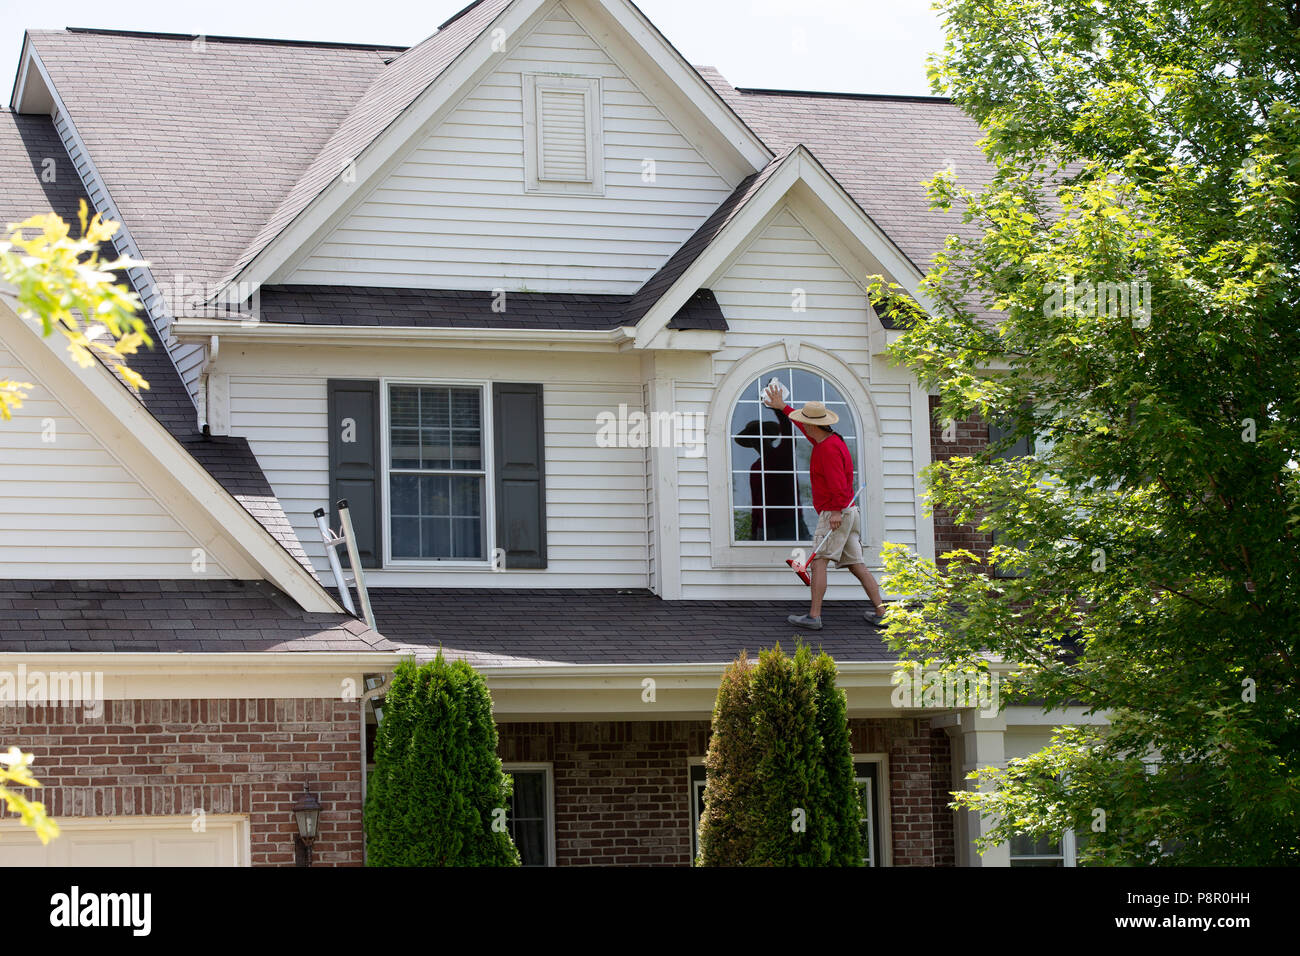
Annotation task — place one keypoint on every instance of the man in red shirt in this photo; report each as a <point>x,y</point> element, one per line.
<point>832,490</point>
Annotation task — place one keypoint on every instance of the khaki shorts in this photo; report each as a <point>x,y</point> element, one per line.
<point>844,546</point>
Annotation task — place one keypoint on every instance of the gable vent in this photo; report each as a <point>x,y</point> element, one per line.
<point>565,136</point>
<point>564,143</point>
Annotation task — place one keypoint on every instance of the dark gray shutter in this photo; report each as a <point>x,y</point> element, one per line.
<point>517,422</point>
<point>354,463</point>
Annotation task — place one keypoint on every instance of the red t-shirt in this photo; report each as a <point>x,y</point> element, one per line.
<point>832,471</point>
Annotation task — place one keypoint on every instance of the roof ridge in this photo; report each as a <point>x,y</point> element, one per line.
<point>211,38</point>
<point>458,14</point>
<point>759,91</point>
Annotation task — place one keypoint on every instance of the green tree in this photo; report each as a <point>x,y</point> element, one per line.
<point>727,825</point>
<point>1125,292</point>
<point>438,795</point>
<point>842,811</point>
<point>780,788</point>
<point>15,771</point>
<point>62,284</point>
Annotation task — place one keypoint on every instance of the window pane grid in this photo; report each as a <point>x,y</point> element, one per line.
<point>770,459</point>
<point>437,479</point>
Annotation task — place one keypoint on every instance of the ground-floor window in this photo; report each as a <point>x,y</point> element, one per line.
<point>866,774</point>
<point>1043,851</point>
<point>698,777</point>
<point>531,817</point>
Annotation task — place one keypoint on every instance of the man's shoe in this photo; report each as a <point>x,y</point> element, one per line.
<point>874,619</point>
<point>803,620</point>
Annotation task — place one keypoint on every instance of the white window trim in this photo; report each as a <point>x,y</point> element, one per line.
<point>885,854</point>
<point>489,478</point>
<point>691,763</point>
<point>549,770</point>
<point>592,87</point>
<point>1068,854</point>
<point>727,553</point>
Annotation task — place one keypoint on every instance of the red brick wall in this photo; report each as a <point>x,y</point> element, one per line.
<point>971,436</point>
<point>222,756</point>
<point>621,789</point>
<point>919,761</point>
<point>622,796</point>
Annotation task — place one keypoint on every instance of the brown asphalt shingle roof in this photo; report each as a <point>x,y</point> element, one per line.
<point>445,308</point>
<point>879,148</point>
<point>194,616</point>
<point>199,147</point>
<point>502,626</point>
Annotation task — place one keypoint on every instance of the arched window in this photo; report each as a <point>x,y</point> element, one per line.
<point>771,491</point>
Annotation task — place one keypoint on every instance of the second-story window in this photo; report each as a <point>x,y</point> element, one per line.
<point>771,489</point>
<point>437,475</point>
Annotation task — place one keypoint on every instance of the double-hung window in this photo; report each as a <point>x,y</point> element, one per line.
<point>437,473</point>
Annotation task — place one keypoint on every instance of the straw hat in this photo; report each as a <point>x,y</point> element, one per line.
<point>815,413</point>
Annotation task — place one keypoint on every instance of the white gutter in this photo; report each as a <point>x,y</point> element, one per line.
<point>263,333</point>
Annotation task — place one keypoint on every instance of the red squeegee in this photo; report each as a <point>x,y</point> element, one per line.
<point>801,567</point>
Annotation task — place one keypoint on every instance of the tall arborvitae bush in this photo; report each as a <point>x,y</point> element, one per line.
<point>843,811</point>
<point>438,795</point>
<point>780,788</point>
<point>727,828</point>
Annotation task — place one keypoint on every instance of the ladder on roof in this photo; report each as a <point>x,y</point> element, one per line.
<point>347,537</point>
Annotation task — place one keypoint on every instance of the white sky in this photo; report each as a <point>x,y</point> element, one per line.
<point>854,46</point>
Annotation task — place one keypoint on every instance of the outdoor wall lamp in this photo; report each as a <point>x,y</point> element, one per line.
<point>306,810</point>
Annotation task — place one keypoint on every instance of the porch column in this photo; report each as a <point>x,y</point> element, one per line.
<point>976,742</point>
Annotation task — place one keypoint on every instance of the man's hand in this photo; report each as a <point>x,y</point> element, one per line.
<point>835,519</point>
<point>773,397</point>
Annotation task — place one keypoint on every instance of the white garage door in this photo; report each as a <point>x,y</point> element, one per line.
<point>129,841</point>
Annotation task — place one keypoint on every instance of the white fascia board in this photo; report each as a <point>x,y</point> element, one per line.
<point>142,277</point>
<point>684,691</point>
<point>141,438</point>
<point>172,675</point>
<point>26,98</point>
<point>716,112</point>
<point>268,333</point>
<point>687,340</point>
<point>1022,716</point>
<point>301,236</point>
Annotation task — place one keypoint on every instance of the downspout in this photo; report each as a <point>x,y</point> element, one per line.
<point>377,690</point>
<point>214,348</point>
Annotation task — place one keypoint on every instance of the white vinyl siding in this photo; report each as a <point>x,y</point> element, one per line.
<point>455,213</point>
<point>596,498</point>
<point>70,509</point>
